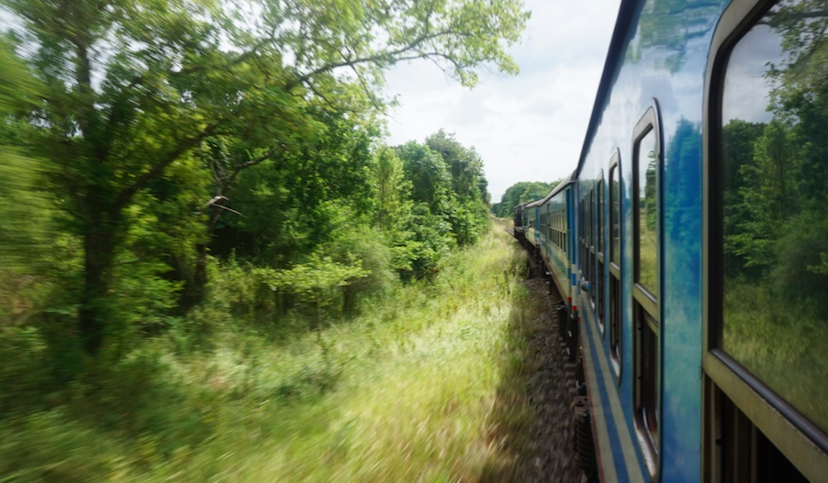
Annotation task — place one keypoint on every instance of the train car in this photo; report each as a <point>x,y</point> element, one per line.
<point>518,219</point>
<point>556,218</point>
<point>696,239</point>
<point>532,230</point>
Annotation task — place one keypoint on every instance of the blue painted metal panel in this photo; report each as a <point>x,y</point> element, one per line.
<point>659,52</point>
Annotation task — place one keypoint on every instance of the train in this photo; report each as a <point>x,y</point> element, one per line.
<point>689,245</point>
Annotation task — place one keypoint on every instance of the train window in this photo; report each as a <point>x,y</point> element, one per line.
<point>773,171</point>
<point>564,229</point>
<point>561,237</point>
<point>646,214</point>
<point>646,397</point>
<point>599,255</point>
<point>615,216</point>
<point>646,344</point>
<point>588,226</point>
<point>557,229</point>
<point>600,215</point>
<point>591,243</point>
<point>615,267</point>
<point>583,222</point>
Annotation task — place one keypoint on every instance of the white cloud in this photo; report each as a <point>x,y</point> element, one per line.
<point>526,128</point>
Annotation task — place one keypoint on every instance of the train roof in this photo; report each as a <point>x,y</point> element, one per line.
<point>533,204</point>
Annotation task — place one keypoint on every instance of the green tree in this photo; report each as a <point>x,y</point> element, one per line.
<point>429,176</point>
<point>464,164</point>
<point>522,192</point>
<point>134,87</point>
<point>391,188</point>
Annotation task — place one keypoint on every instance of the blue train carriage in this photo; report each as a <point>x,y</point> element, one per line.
<point>519,222</point>
<point>701,243</point>
<point>532,232</point>
<point>555,251</point>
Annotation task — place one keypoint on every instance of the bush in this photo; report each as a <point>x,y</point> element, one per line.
<point>423,245</point>
<point>369,248</point>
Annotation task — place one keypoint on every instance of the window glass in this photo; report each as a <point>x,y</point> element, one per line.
<point>599,262</point>
<point>583,260</point>
<point>647,213</point>
<point>600,247</point>
<point>590,240</point>
<point>774,175</point>
<point>648,372</point>
<point>615,216</point>
<point>645,313</point>
<point>615,321</point>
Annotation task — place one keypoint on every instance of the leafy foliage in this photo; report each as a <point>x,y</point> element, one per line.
<point>174,173</point>
<point>519,193</point>
<point>224,127</point>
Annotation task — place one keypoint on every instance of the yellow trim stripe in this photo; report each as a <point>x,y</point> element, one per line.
<point>627,446</point>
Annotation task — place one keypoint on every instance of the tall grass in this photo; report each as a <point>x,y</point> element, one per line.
<point>425,386</point>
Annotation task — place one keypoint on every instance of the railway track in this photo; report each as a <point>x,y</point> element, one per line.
<point>553,395</point>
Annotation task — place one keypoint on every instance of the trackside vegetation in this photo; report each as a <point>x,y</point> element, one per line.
<point>210,257</point>
<point>427,385</point>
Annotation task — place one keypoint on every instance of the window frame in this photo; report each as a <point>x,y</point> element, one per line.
<point>646,308</point>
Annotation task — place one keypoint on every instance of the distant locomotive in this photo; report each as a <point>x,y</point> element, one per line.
<point>690,245</point>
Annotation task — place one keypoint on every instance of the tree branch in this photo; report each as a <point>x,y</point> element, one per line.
<point>347,62</point>
<point>248,164</point>
<point>126,195</point>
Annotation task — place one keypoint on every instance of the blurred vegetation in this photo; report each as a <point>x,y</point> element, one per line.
<point>520,193</point>
<point>195,183</point>
<point>427,388</point>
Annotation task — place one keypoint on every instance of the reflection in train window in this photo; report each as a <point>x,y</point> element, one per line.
<point>615,269</point>
<point>584,249</point>
<point>647,214</point>
<point>646,333</point>
<point>615,216</point>
<point>591,243</point>
<point>599,258</point>
<point>774,169</point>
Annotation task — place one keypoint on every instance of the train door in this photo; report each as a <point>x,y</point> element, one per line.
<point>646,199</point>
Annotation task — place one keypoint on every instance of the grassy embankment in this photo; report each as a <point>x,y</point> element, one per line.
<point>427,386</point>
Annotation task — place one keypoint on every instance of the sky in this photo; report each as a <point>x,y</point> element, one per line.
<point>528,127</point>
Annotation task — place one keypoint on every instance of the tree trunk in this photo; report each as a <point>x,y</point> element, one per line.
<point>196,291</point>
<point>200,277</point>
<point>94,314</point>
